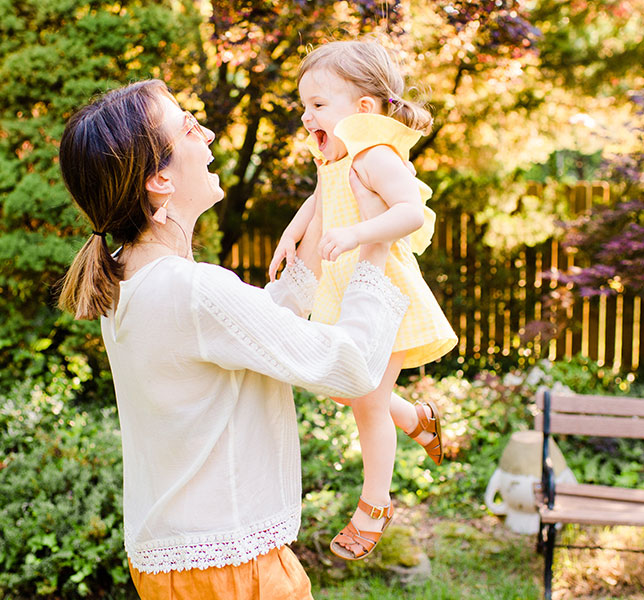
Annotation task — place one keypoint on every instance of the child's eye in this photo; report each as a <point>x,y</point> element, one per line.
<point>318,105</point>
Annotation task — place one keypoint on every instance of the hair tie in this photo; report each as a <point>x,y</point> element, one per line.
<point>391,100</point>
<point>99,233</point>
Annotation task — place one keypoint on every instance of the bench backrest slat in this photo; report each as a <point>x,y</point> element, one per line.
<point>593,425</point>
<point>605,416</point>
<point>596,405</point>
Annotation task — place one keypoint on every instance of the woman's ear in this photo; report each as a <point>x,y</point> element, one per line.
<point>367,104</point>
<point>159,184</point>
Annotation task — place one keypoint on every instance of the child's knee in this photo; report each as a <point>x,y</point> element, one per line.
<point>371,407</point>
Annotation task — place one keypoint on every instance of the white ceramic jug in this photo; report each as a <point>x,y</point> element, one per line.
<point>518,470</point>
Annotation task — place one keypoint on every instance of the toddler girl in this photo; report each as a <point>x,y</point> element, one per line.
<point>360,125</point>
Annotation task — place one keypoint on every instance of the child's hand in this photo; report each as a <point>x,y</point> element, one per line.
<point>285,250</point>
<point>336,241</point>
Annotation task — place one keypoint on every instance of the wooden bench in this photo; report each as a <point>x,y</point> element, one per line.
<point>605,416</point>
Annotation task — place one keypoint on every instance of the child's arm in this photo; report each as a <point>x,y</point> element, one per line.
<point>291,236</point>
<point>382,171</point>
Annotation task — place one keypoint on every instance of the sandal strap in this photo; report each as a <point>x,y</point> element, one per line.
<point>433,448</point>
<point>425,423</point>
<point>376,512</point>
<point>360,543</point>
<point>355,541</point>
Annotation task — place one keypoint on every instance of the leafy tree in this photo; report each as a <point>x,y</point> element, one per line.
<point>610,239</point>
<point>507,85</point>
<point>516,83</point>
<point>507,77</point>
<point>54,56</point>
<point>246,86</point>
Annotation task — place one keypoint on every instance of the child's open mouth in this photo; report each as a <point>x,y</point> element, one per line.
<point>321,137</point>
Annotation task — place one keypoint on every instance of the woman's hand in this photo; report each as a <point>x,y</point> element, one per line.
<point>285,250</point>
<point>307,250</point>
<point>371,205</point>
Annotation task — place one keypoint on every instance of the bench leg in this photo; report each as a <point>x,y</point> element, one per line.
<point>540,541</point>
<point>548,552</point>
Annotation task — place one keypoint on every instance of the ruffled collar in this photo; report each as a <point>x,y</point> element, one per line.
<point>363,130</point>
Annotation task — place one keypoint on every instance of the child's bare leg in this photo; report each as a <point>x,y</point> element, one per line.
<point>378,443</point>
<point>403,415</point>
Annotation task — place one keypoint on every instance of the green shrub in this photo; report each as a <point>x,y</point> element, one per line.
<point>61,490</point>
<point>60,475</point>
<point>54,56</point>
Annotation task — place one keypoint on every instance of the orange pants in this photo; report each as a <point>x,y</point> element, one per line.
<point>277,575</point>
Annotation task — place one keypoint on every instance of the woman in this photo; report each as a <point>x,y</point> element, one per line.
<point>202,363</point>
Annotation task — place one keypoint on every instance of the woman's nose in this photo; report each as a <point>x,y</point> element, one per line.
<point>209,134</point>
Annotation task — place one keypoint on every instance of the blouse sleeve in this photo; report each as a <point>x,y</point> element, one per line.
<point>240,327</point>
<point>295,289</point>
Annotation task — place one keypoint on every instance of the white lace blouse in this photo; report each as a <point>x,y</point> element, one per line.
<point>203,366</point>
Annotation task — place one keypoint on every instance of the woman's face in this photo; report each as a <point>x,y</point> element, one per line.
<point>195,188</point>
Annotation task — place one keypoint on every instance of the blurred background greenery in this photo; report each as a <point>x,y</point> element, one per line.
<point>531,98</point>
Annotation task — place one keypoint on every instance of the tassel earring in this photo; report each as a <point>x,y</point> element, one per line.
<point>161,214</point>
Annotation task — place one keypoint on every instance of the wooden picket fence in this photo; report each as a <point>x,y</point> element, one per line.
<point>493,302</point>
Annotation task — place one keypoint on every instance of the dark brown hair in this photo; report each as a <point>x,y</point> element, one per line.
<point>107,152</point>
<point>371,69</point>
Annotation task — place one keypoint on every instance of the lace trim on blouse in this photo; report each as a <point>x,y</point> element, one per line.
<point>368,277</point>
<point>302,282</point>
<point>203,552</point>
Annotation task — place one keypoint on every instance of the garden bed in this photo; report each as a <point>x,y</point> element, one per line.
<point>60,483</point>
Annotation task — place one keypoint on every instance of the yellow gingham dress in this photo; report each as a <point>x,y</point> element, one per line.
<point>425,333</point>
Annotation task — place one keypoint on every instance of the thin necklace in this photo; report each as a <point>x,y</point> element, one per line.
<point>174,252</point>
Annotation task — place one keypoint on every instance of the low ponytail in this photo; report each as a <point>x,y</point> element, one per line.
<point>108,151</point>
<point>87,291</point>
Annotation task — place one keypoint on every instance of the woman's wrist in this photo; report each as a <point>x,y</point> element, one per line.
<point>307,249</point>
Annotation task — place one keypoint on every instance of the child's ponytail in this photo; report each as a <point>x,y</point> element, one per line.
<point>410,113</point>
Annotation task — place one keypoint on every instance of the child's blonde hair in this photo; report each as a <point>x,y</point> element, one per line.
<point>373,72</point>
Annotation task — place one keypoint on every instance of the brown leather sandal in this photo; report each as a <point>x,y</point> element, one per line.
<point>432,424</point>
<point>353,544</point>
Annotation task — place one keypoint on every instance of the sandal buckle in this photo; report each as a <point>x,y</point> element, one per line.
<point>377,512</point>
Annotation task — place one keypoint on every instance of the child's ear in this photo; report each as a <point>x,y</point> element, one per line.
<point>367,104</point>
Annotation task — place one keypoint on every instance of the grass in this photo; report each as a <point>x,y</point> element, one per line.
<point>479,559</point>
<point>469,560</point>
<point>600,575</point>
